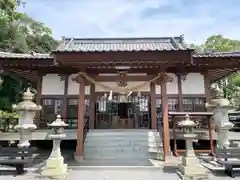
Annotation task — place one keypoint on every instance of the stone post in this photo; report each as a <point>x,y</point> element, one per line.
<point>27,109</point>
<point>220,107</point>
<point>190,168</point>
<point>55,166</point>
<point>155,146</point>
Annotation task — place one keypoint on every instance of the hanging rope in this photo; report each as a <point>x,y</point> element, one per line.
<point>125,90</point>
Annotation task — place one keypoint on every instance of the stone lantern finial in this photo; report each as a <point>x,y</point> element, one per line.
<point>217,91</point>
<point>28,95</point>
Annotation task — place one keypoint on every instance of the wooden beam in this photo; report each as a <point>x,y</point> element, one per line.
<point>104,78</point>
<point>158,56</point>
<point>27,62</point>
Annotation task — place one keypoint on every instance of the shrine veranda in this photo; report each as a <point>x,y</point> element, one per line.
<point>120,83</point>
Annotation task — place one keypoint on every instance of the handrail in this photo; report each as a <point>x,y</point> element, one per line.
<point>160,128</point>
<point>85,128</point>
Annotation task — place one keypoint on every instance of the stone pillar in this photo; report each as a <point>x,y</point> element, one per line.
<point>55,166</point>
<point>190,168</point>
<point>155,145</point>
<point>27,109</point>
<point>80,129</point>
<point>220,107</point>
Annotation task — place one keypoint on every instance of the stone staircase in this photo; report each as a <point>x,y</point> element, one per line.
<point>117,147</point>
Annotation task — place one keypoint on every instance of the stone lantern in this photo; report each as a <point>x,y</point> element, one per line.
<point>55,166</point>
<point>26,109</point>
<point>220,107</point>
<point>190,167</point>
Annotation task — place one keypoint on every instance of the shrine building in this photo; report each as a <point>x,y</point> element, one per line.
<point>120,83</point>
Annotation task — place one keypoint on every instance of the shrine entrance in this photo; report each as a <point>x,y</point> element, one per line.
<point>122,112</point>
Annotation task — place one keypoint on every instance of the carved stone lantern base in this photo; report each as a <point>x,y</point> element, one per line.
<point>189,169</point>
<point>55,167</point>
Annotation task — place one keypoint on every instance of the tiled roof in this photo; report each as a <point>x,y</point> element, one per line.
<point>217,54</point>
<point>121,44</point>
<point>24,56</point>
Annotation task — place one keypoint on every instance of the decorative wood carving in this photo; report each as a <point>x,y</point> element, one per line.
<point>62,77</point>
<point>164,78</point>
<point>81,79</point>
<point>122,78</point>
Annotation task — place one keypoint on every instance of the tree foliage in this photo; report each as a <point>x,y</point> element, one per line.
<point>19,33</point>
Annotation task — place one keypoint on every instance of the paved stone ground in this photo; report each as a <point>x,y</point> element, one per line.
<point>109,173</point>
<point>114,174</point>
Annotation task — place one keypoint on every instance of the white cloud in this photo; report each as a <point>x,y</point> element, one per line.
<point>114,18</point>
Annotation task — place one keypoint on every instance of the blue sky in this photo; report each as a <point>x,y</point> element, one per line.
<point>196,19</point>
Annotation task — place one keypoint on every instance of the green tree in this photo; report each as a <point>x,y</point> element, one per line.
<point>19,33</point>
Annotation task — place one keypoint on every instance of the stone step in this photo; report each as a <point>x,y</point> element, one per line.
<point>117,162</point>
<point>116,138</point>
<point>104,143</point>
<point>116,148</point>
<point>120,132</point>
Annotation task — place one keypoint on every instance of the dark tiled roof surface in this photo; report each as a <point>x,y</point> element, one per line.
<point>122,44</point>
<point>24,56</point>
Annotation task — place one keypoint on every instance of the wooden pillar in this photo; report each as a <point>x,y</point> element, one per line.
<point>38,97</point>
<point>92,107</point>
<point>207,86</point>
<point>153,106</point>
<point>166,135</point>
<point>65,103</point>
<point>180,95</point>
<point>80,129</point>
